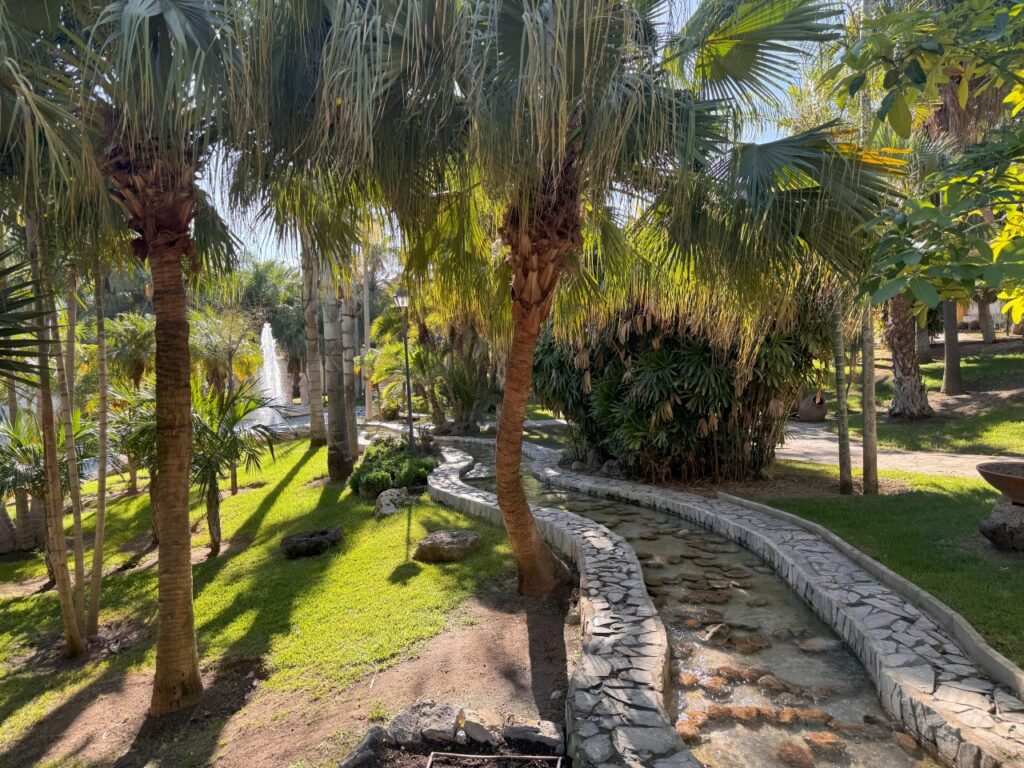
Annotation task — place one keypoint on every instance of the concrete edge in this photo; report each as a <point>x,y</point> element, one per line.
<point>985,656</point>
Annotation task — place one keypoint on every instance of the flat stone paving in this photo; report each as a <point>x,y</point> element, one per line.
<point>923,677</point>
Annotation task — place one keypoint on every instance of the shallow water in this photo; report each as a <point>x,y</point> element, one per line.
<point>743,690</point>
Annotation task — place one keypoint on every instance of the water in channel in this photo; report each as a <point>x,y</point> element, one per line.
<point>758,680</point>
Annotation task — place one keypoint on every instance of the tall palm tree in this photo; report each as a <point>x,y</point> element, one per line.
<point>158,74</point>
<point>573,117</point>
<point>133,342</point>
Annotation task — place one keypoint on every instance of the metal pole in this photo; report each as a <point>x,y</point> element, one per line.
<point>408,384</point>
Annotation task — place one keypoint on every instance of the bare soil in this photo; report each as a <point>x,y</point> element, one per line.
<point>499,651</point>
<point>400,758</point>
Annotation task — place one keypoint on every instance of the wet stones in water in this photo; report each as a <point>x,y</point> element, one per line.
<point>447,546</point>
<point>820,644</point>
<point>717,634</point>
<point>824,743</point>
<point>711,597</point>
<point>795,755</point>
<point>757,602</point>
<point>747,644</point>
<point>310,543</point>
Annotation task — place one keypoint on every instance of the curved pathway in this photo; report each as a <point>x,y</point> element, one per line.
<point>817,444</point>
<point>924,677</point>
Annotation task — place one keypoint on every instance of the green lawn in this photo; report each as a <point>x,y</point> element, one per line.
<point>998,429</point>
<point>929,534</point>
<point>315,624</point>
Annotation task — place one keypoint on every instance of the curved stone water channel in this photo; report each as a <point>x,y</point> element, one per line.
<point>758,680</point>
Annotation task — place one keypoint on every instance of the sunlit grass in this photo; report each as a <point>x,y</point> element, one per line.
<point>316,623</point>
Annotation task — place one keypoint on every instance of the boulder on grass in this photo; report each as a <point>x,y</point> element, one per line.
<point>390,502</point>
<point>424,721</point>
<point>447,546</point>
<point>310,543</point>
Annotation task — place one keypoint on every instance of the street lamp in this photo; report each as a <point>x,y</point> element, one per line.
<point>402,301</point>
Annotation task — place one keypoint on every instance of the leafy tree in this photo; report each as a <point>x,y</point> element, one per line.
<point>132,346</point>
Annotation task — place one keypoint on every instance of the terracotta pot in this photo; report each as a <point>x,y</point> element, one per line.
<point>811,410</point>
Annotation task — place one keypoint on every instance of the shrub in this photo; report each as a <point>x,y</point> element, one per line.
<point>669,404</point>
<point>387,461</point>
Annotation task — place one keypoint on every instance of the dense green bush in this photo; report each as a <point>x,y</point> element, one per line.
<point>668,404</point>
<point>386,463</point>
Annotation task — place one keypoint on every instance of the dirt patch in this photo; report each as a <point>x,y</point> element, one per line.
<point>499,651</point>
<point>400,758</point>
<point>318,482</point>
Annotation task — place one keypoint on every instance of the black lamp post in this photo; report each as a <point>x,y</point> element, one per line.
<point>402,300</point>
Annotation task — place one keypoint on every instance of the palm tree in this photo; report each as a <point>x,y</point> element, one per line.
<point>159,76</point>
<point>96,574</point>
<point>573,119</point>
<point>223,441</point>
<point>909,394</point>
<point>133,346</point>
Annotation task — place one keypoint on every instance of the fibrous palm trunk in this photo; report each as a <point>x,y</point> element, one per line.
<point>348,343</point>
<point>96,576</point>
<point>158,193</point>
<point>869,447</point>
<point>909,394</point>
<point>310,311</point>
<point>952,376</point>
<point>842,416</point>
<point>339,456</point>
<point>541,238</point>
<point>56,548</point>
<point>65,379</point>
<point>28,534</point>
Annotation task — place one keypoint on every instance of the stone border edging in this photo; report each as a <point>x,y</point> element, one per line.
<point>615,706</point>
<point>921,676</point>
<point>985,656</point>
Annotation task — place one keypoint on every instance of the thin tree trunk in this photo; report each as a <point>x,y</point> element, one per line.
<point>988,326</point>
<point>842,416</point>
<point>310,282</point>
<point>234,466</point>
<point>924,344</point>
<point>870,444</point>
<point>133,478</point>
<point>339,456</point>
<point>952,376</point>
<point>348,343</point>
<point>177,683</point>
<point>65,380</point>
<point>368,389</point>
<point>213,515</point>
<point>56,550</point>
<point>909,395</point>
<point>93,617</point>
<point>28,537</point>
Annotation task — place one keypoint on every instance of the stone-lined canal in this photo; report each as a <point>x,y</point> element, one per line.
<point>757,679</point>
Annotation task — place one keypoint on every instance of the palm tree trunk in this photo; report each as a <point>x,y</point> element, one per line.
<point>213,515</point>
<point>952,376</point>
<point>177,683</point>
<point>368,389</point>
<point>339,456</point>
<point>924,344</point>
<point>317,435</point>
<point>28,537</point>
<point>842,417</point>
<point>348,343</point>
<point>870,441</point>
<point>909,395</point>
<point>56,549</point>
<point>233,471</point>
<point>65,380</point>
<point>984,299</point>
<point>93,617</point>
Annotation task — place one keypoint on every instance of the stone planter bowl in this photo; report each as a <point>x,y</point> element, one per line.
<point>1005,476</point>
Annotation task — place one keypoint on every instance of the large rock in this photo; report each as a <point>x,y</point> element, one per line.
<point>310,543</point>
<point>541,732</point>
<point>424,721</point>
<point>483,727</point>
<point>390,502</point>
<point>365,750</point>
<point>447,546</point>
<point>1005,526</point>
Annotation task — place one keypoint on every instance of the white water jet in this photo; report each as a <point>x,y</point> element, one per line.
<point>270,385</point>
